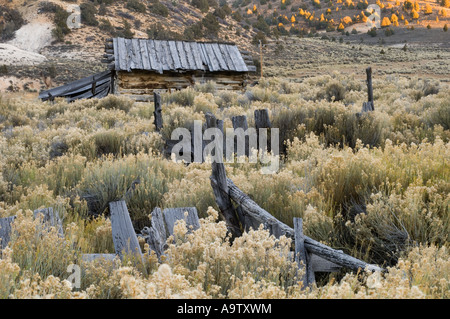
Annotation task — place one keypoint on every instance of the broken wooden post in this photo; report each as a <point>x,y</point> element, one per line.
<point>240,127</point>
<point>50,218</point>
<point>369,89</point>
<point>94,85</point>
<point>367,107</point>
<point>5,231</point>
<point>301,255</point>
<point>262,121</point>
<point>162,225</point>
<point>219,185</point>
<point>319,264</point>
<point>124,236</point>
<point>157,112</point>
<point>156,234</point>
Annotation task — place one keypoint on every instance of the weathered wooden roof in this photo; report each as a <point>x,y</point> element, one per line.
<point>97,85</point>
<point>162,55</point>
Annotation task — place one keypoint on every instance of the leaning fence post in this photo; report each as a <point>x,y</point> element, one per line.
<point>301,255</point>
<point>219,185</point>
<point>124,236</point>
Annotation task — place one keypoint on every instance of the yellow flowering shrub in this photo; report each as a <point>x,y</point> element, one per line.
<point>374,185</point>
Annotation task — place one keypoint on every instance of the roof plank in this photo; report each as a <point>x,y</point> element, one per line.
<point>169,64</point>
<point>161,55</point>
<point>129,53</point>
<point>153,54</point>
<point>204,56</point>
<point>123,55</point>
<point>183,55</point>
<point>237,59</point>
<point>196,53</point>
<point>137,58</point>
<point>175,55</point>
<point>116,55</point>
<point>218,54</point>
<point>190,60</point>
<point>146,63</point>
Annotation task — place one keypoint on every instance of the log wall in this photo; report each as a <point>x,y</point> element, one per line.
<point>140,85</point>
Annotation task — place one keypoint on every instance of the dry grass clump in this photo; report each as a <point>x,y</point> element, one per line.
<point>110,179</point>
<point>184,97</point>
<point>115,102</point>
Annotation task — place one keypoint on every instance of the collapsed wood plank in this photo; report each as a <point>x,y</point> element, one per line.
<point>319,264</point>
<point>162,226</point>
<point>156,234</point>
<point>5,231</point>
<point>278,228</point>
<point>124,236</point>
<point>189,214</point>
<point>48,217</point>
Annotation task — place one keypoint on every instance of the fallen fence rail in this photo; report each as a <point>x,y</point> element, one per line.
<point>249,214</point>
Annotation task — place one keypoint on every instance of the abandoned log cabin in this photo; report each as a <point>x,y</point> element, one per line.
<point>138,67</point>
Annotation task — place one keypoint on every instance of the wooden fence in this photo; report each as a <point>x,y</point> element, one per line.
<point>308,252</point>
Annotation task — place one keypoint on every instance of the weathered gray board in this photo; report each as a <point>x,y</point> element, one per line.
<point>97,85</point>
<point>124,236</point>
<point>172,215</point>
<point>48,217</point>
<point>240,127</point>
<point>156,234</point>
<point>220,189</point>
<point>5,231</point>
<point>162,224</point>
